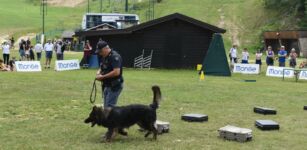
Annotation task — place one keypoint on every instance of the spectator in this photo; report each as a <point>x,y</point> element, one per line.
<point>59,53</point>
<point>64,47</point>
<point>270,57</point>
<point>38,48</point>
<point>258,58</point>
<point>245,56</point>
<point>233,54</point>
<point>27,54</point>
<point>87,53</point>
<point>27,50</point>
<point>32,56</point>
<point>48,49</point>
<point>28,43</point>
<point>22,48</point>
<point>6,52</point>
<point>12,64</point>
<point>282,54</point>
<point>293,57</point>
<point>68,45</point>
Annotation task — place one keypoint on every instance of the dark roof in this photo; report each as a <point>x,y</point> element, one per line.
<point>101,25</point>
<point>285,34</point>
<point>180,17</point>
<point>155,22</point>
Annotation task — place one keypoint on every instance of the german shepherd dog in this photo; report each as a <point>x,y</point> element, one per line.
<point>116,119</point>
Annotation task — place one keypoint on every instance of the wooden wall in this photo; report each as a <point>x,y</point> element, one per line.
<point>176,44</point>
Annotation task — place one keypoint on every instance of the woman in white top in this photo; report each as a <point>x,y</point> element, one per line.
<point>245,56</point>
<point>6,53</point>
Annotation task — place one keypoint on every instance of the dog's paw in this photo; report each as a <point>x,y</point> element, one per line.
<point>105,140</point>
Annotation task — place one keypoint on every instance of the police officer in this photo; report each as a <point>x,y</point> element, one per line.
<point>110,73</point>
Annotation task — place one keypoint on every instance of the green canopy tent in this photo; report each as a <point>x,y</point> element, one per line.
<point>216,62</point>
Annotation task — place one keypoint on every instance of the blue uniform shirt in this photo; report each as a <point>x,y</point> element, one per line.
<point>109,63</point>
<point>282,59</point>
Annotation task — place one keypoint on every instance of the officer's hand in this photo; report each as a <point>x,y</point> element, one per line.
<point>99,77</point>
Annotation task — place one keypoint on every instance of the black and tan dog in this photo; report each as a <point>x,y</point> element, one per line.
<point>118,118</point>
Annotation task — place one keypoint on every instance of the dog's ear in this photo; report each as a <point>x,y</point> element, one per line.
<point>106,111</point>
<point>96,108</point>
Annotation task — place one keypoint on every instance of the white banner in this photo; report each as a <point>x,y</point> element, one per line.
<point>278,72</point>
<point>246,68</point>
<point>28,66</point>
<point>64,65</point>
<point>303,75</point>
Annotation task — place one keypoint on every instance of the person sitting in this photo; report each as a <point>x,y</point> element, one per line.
<point>12,64</point>
<point>245,56</point>
<point>293,57</point>
<point>303,64</point>
<point>3,67</point>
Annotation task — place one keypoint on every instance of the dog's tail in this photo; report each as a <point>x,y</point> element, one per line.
<point>157,97</point>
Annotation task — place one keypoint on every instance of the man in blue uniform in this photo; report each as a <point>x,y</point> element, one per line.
<point>282,54</point>
<point>110,73</point>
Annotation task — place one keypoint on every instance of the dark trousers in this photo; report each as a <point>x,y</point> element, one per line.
<point>235,60</point>
<point>59,56</point>
<point>6,58</point>
<point>282,64</point>
<point>87,59</point>
<point>39,56</point>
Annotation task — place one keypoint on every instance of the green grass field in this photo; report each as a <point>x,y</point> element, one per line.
<point>46,110</point>
<point>244,20</point>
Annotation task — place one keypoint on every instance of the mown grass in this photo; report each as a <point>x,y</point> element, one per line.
<point>46,110</point>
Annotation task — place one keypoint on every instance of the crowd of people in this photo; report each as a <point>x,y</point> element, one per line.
<point>29,52</point>
<point>281,56</point>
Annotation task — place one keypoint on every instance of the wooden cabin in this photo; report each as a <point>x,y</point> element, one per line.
<point>177,41</point>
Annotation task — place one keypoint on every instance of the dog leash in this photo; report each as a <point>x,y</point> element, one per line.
<point>94,90</point>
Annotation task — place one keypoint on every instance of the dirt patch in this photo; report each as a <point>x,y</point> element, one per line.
<point>234,31</point>
<point>222,18</point>
<point>232,28</point>
<point>66,3</point>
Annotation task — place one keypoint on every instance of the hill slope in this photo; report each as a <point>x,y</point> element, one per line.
<point>244,20</point>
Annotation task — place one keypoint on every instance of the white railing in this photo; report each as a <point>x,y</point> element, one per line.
<point>147,61</point>
<point>142,61</point>
<point>138,61</point>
